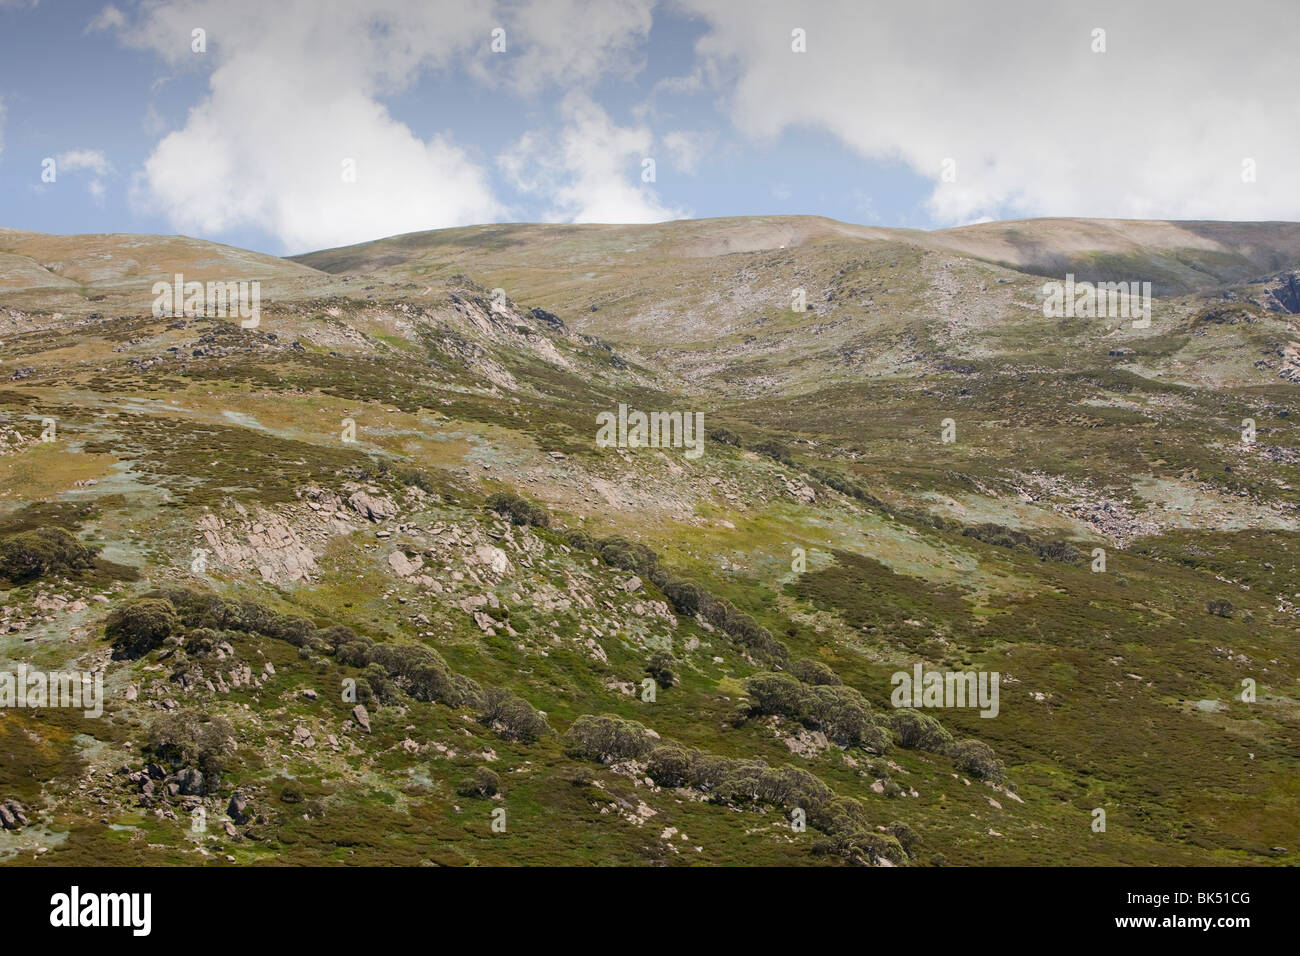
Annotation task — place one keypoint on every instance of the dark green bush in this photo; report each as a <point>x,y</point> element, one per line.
<point>842,713</point>
<point>917,731</point>
<point>415,477</point>
<point>669,766</point>
<point>660,667</point>
<point>579,539</point>
<point>382,687</point>
<point>141,626</point>
<point>978,759</point>
<point>1219,608</point>
<point>708,772</point>
<point>814,672</point>
<point>683,595</point>
<point>423,674</point>
<point>511,716</point>
<point>907,838</point>
<point>481,783</point>
<point>775,450</point>
<point>619,552</point>
<point>185,739</point>
<point>776,693</point>
<point>29,555</point>
<point>607,738</point>
<point>518,510</point>
<point>202,641</point>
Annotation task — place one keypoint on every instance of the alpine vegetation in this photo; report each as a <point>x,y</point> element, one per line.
<point>28,687</point>
<point>1101,300</point>
<point>922,688</point>
<point>241,299</point>
<point>651,430</point>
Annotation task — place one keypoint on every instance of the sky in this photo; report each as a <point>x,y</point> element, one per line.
<point>292,125</point>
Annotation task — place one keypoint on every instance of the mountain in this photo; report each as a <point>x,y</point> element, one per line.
<point>364,584</point>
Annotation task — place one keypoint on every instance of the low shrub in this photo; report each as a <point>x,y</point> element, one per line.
<point>141,626</point>
<point>669,766</point>
<point>518,510</point>
<point>978,759</point>
<point>511,716</point>
<point>607,738</point>
<point>29,555</point>
<point>481,783</point>
<point>1219,608</point>
<point>842,713</point>
<point>917,731</point>
<point>814,672</point>
<point>660,667</point>
<point>185,739</point>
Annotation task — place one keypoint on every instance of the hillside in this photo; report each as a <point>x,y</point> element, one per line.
<point>362,576</point>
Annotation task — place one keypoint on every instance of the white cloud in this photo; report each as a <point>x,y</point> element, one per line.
<point>2,125</point>
<point>110,18</point>
<point>81,159</point>
<point>591,170</point>
<point>294,92</point>
<point>297,88</point>
<point>92,161</point>
<point>1038,124</point>
<point>573,43</point>
<point>686,148</point>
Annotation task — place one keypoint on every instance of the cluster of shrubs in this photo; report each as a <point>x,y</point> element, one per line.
<point>1004,537</point>
<point>518,509</point>
<point>1219,607</point>
<point>977,759</point>
<point>686,597</point>
<point>849,488</point>
<point>511,716</point>
<point>141,626</point>
<point>29,555</point>
<point>608,738</point>
<point>415,478</point>
<point>814,672</point>
<point>777,452</point>
<point>840,712</point>
<point>916,731</point>
<point>198,618</point>
<point>377,469</point>
<point>846,718</point>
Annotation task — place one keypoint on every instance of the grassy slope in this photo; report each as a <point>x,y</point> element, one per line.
<point>1180,784</point>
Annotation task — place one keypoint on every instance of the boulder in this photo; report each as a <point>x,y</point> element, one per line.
<point>362,717</point>
<point>372,507</point>
<point>237,809</point>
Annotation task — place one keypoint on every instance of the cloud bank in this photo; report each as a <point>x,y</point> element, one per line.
<point>1161,124</point>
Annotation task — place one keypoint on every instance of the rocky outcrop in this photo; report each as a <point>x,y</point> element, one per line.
<point>1285,296</point>
<point>266,543</point>
<point>372,507</point>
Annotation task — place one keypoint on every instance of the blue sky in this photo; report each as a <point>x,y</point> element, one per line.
<point>242,142</point>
